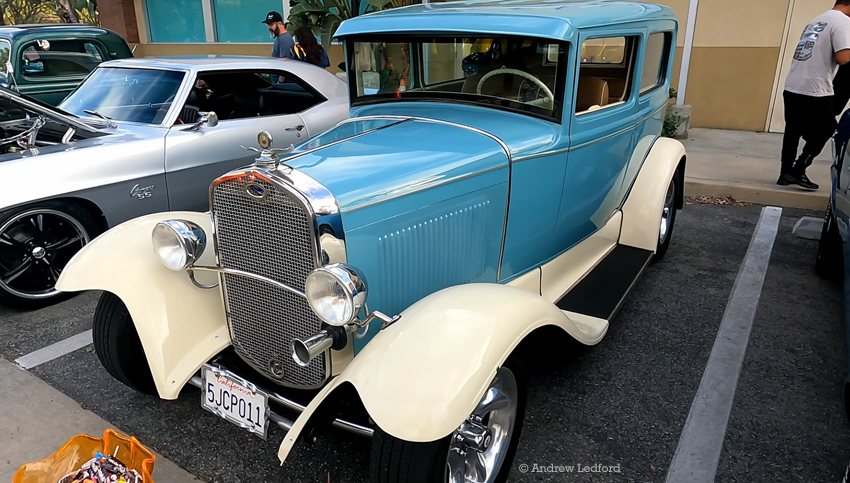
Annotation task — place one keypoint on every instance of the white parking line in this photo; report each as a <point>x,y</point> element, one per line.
<point>698,452</point>
<point>55,351</point>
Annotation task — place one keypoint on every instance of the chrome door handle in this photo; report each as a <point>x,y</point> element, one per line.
<point>296,128</point>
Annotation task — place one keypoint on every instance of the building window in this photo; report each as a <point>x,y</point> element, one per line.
<point>239,20</point>
<point>655,61</point>
<point>176,20</point>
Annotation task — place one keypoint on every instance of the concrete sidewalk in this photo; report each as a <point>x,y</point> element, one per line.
<point>745,166</point>
<point>37,420</point>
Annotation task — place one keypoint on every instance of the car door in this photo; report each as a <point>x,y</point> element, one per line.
<point>601,132</point>
<point>246,102</point>
<point>48,70</point>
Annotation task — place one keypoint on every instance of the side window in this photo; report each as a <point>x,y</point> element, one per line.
<point>605,72</point>
<point>655,61</point>
<point>5,52</point>
<point>245,94</point>
<point>57,58</point>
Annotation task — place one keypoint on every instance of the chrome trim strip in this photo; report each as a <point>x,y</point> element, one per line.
<point>540,155</point>
<point>476,130</point>
<point>261,278</point>
<point>285,423</point>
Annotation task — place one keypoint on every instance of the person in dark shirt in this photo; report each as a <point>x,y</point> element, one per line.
<point>283,42</point>
<point>308,49</point>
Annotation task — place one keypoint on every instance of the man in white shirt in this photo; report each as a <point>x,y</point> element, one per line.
<point>808,96</point>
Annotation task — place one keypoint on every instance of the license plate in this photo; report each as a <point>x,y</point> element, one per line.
<point>235,399</point>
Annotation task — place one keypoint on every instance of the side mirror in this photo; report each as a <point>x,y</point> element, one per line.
<point>210,119</point>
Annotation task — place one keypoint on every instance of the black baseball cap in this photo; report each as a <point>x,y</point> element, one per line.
<point>272,17</point>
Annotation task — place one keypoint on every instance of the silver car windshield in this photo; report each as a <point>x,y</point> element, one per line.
<point>128,95</point>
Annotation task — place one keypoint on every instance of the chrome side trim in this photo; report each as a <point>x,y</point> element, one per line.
<point>476,130</point>
<point>291,405</point>
<point>320,198</point>
<point>573,148</point>
<point>240,273</point>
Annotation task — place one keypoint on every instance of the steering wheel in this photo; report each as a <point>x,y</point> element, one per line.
<point>550,98</point>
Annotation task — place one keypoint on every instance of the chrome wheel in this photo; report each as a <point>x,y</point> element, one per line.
<point>35,245</point>
<point>667,212</point>
<point>478,448</point>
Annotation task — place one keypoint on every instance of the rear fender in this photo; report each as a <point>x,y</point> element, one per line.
<point>180,325</point>
<point>420,378</point>
<point>642,209</point>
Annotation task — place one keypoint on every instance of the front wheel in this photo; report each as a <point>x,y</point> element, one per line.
<point>35,245</point>
<point>479,451</point>
<point>118,346</point>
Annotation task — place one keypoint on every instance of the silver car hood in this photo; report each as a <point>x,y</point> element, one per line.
<point>50,111</point>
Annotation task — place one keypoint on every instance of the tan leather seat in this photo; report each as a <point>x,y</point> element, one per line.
<point>616,90</point>
<point>592,91</point>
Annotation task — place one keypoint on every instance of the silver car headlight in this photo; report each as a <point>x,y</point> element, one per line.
<point>178,243</point>
<point>336,293</point>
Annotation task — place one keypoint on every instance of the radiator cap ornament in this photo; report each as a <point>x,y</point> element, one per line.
<point>264,138</point>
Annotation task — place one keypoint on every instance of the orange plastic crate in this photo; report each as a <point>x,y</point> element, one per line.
<point>82,448</point>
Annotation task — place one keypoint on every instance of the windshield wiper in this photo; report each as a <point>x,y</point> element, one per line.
<point>97,114</point>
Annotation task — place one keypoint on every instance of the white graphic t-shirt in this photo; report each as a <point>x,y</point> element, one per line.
<point>814,65</point>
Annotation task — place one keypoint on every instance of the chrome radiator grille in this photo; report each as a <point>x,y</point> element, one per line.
<point>273,237</point>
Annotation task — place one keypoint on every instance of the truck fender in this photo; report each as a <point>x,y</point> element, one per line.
<point>420,378</point>
<point>642,209</point>
<point>180,325</point>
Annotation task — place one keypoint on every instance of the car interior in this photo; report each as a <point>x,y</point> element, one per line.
<point>59,58</point>
<point>241,94</point>
<point>605,72</point>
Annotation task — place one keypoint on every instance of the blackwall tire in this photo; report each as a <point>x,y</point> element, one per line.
<point>393,460</point>
<point>829,262</point>
<point>118,346</point>
<point>668,217</point>
<point>36,242</point>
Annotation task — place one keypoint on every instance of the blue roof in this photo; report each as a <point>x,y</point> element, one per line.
<point>555,19</point>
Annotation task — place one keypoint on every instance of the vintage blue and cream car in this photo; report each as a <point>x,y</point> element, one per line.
<point>502,173</point>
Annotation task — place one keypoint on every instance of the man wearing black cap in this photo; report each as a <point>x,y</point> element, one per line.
<point>283,42</point>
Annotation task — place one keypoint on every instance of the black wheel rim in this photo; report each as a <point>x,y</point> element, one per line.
<point>35,246</point>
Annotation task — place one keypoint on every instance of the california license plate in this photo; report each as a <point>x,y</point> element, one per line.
<point>235,399</point>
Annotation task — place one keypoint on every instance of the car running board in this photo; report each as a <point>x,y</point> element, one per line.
<point>601,292</point>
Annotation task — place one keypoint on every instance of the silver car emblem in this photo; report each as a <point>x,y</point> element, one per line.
<point>142,192</point>
<point>255,190</point>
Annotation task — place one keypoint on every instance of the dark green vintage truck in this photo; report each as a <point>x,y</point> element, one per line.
<point>48,61</point>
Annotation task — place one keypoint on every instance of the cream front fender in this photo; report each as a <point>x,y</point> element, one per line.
<point>181,326</point>
<point>642,209</point>
<point>420,378</point>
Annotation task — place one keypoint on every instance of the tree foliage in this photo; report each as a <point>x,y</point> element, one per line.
<point>324,16</point>
<point>16,12</point>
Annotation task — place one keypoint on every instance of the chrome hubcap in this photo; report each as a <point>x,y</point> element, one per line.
<point>667,212</point>
<point>478,447</point>
<point>34,248</point>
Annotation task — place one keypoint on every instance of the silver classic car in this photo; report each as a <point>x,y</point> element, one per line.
<point>138,136</point>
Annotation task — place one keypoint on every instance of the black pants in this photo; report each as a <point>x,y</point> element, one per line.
<point>808,117</point>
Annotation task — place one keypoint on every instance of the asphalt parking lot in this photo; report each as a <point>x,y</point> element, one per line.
<point>620,405</point>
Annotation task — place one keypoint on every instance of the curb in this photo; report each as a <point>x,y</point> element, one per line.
<point>789,197</point>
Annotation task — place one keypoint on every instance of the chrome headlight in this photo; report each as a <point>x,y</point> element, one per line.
<point>178,243</point>
<point>336,293</point>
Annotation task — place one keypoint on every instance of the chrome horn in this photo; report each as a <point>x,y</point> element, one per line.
<point>304,351</point>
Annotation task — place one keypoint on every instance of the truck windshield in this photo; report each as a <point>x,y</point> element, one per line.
<point>515,73</point>
<point>130,95</point>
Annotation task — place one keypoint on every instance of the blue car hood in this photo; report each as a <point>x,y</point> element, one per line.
<point>363,162</point>
<point>524,135</point>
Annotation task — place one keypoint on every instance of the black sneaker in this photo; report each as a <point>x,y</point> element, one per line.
<point>803,181</point>
<point>785,180</point>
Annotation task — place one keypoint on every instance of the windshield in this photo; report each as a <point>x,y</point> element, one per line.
<point>131,95</point>
<point>515,73</point>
